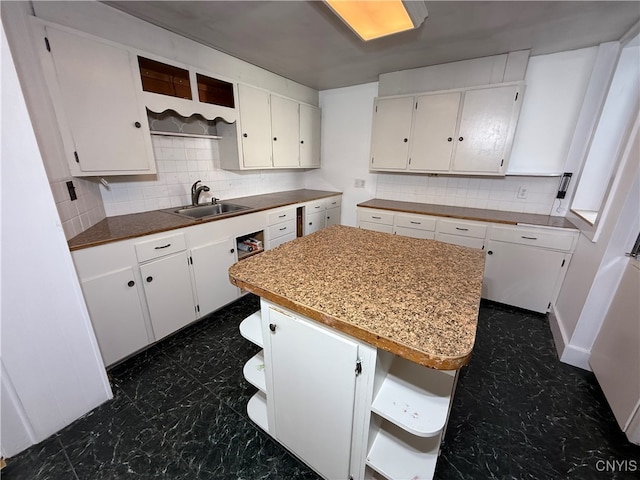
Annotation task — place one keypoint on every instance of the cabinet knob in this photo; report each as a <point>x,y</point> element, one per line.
<point>149,279</point>
<point>137,124</point>
<point>131,283</point>
<point>490,252</point>
<point>245,135</point>
<point>272,327</point>
<point>405,140</point>
<point>310,223</point>
<point>301,141</point>
<point>275,139</point>
<point>449,139</point>
<point>232,250</point>
<point>461,138</point>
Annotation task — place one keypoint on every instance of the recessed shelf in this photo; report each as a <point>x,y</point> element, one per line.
<point>397,455</point>
<point>253,372</point>
<point>415,398</point>
<point>257,410</point>
<point>251,328</point>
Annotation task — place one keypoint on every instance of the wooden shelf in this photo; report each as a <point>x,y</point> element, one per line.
<point>415,398</point>
<point>398,455</point>
<point>253,372</point>
<point>257,410</point>
<point>242,255</point>
<point>251,328</point>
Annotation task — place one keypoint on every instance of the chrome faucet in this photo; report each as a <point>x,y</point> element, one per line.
<point>196,191</point>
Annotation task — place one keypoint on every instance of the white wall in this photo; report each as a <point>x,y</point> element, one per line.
<point>52,372</point>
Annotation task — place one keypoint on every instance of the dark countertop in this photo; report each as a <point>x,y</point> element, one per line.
<point>122,227</point>
<point>417,299</point>
<point>495,216</point>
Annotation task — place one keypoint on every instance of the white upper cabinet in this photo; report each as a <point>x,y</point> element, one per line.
<point>95,91</point>
<point>309,136</point>
<point>467,131</point>
<point>285,130</point>
<point>391,131</point>
<point>255,126</point>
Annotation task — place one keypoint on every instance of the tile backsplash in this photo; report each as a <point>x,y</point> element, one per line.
<point>180,162</point>
<point>77,215</point>
<point>476,192</point>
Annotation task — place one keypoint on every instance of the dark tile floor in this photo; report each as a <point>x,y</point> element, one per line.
<point>179,412</point>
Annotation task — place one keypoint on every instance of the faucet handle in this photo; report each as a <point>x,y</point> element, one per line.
<point>214,200</point>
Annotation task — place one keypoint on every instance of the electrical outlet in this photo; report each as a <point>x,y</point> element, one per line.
<point>523,192</point>
<point>359,183</point>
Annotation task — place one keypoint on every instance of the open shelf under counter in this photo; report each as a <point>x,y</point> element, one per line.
<point>251,328</point>
<point>398,455</point>
<point>253,372</point>
<point>415,398</point>
<point>257,410</point>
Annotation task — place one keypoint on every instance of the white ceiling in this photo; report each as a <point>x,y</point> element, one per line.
<point>306,42</point>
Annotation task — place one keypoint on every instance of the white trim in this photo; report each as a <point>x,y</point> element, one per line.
<point>567,353</point>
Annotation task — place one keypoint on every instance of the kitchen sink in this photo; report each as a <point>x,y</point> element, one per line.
<point>207,210</point>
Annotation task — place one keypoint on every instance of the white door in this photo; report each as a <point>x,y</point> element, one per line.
<point>309,136</point>
<point>116,314</point>
<point>521,276</point>
<point>313,391</point>
<point>313,222</point>
<point>484,129</point>
<point>100,102</point>
<point>391,130</point>
<point>167,286</point>
<point>255,124</point>
<point>332,216</point>
<point>285,131</point>
<point>210,265</point>
<point>433,132</point>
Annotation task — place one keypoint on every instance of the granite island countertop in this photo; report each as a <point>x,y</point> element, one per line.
<point>418,299</point>
<point>122,227</point>
<point>466,213</point>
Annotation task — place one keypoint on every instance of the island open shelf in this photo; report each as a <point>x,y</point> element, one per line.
<point>257,410</point>
<point>251,328</point>
<point>253,372</point>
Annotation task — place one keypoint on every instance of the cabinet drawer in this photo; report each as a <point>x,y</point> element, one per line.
<point>274,242</point>
<point>333,202</point>
<point>460,240</point>
<point>534,237</point>
<point>160,247</point>
<point>376,227</point>
<point>465,229</point>
<point>414,233</point>
<point>418,222</point>
<point>282,229</point>
<point>281,216</point>
<point>315,206</point>
<point>375,216</point>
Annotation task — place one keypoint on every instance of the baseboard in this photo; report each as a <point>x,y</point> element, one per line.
<point>567,353</point>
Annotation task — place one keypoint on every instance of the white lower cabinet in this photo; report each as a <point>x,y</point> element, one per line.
<point>167,287</point>
<point>119,325</point>
<point>461,232</point>
<point>210,265</point>
<point>355,412</point>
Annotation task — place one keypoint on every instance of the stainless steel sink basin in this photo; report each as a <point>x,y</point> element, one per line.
<point>208,210</point>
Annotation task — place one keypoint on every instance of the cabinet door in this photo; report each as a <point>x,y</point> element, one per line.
<point>255,124</point>
<point>461,240</point>
<point>167,286</point>
<point>391,130</point>
<point>210,265</point>
<point>333,216</point>
<point>312,391</point>
<point>313,222</point>
<point>100,100</point>
<point>116,314</point>
<point>433,132</point>
<point>521,276</point>
<point>309,136</point>
<point>485,129</point>
<point>285,130</point>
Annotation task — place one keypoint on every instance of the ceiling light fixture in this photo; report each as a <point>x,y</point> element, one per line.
<point>379,18</point>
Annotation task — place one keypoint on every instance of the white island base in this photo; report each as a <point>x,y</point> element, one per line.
<point>343,407</point>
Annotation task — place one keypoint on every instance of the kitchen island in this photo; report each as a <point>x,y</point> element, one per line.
<point>363,334</point>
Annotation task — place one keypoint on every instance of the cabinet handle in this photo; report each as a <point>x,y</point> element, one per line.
<point>283,229</point>
<point>490,252</point>
<point>149,279</point>
<point>405,140</point>
<point>245,135</point>
<point>461,138</point>
<point>415,223</point>
<point>528,238</point>
<point>317,206</point>
<point>137,124</point>
<point>282,216</point>
<point>462,229</point>
<point>163,246</point>
<point>377,218</point>
<point>449,139</point>
<point>272,327</point>
<point>232,250</point>
<point>131,283</point>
